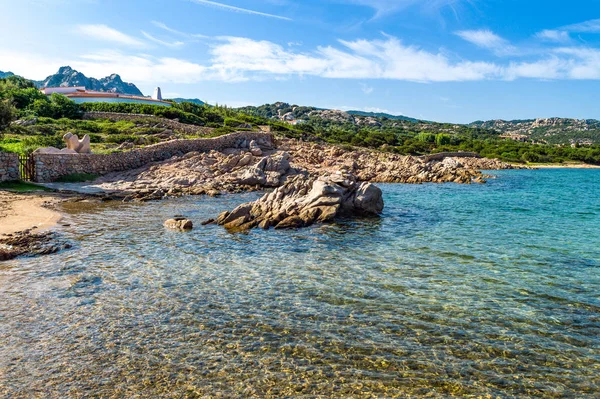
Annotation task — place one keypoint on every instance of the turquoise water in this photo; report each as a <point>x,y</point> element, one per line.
<point>457,291</point>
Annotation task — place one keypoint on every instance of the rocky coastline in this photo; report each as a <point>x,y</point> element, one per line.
<point>305,183</point>
<point>259,167</point>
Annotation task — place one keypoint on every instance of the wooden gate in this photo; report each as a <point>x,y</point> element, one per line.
<point>27,167</point>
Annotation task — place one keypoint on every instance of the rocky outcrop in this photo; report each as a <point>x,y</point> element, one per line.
<point>303,201</point>
<point>376,167</point>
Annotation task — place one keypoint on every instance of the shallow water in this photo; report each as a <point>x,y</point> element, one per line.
<point>456,291</point>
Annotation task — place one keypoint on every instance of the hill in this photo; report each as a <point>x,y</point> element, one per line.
<point>563,131</point>
<point>67,76</point>
<point>6,74</point>
<point>383,115</point>
<point>188,100</point>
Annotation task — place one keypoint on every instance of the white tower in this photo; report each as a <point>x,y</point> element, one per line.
<point>157,94</point>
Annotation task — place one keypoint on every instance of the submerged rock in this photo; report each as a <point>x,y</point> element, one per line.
<point>303,201</point>
<point>28,244</point>
<point>179,223</point>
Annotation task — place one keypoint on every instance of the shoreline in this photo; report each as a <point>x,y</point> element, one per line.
<point>25,212</point>
<point>562,166</point>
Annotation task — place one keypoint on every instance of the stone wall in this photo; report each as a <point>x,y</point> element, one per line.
<point>440,156</point>
<point>50,167</point>
<point>9,166</point>
<point>162,122</point>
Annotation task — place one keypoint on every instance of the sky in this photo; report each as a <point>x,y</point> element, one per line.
<point>443,60</point>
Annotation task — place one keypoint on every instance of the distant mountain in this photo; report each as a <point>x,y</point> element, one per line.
<point>383,115</point>
<point>67,76</point>
<point>188,100</point>
<point>6,74</point>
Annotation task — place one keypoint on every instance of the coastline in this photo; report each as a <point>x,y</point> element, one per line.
<point>24,212</point>
<point>562,166</point>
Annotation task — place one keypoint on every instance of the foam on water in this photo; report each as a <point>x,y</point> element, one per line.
<point>455,291</point>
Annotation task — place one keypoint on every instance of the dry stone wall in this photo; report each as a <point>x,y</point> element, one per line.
<point>50,167</point>
<point>9,166</point>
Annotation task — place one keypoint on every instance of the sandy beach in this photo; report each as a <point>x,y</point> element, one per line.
<point>564,166</point>
<point>19,212</point>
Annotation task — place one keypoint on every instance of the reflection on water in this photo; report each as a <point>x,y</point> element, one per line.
<point>456,291</point>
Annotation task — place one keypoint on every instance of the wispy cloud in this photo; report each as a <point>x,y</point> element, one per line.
<point>488,40</point>
<point>163,26</point>
<point>386,7</point>
<point>238,9</point>
<point>174,44</point>
<point>553,35</point>
<point>106,33</point>
<point>591,26</point>
<point>562,34</point>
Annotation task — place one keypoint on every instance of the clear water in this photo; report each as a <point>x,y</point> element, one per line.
<point>484,290</point>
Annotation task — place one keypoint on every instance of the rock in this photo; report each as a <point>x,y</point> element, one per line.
<point>303,201</point>
<point>368,199</point>
<point>126,146</point>
<point>255,148</point>
<point>27,244</point>
<point>79,146</point>
<point>25,122</point>
<point>179,223</point>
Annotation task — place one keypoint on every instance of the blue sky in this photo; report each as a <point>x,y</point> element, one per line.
<point>444,60</point>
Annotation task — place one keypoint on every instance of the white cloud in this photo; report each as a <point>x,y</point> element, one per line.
<point>163,26</point>
<point>487,39</point>
<point>591,26</point>
<point>238,9</point>
<point>174,44</point>
<point>138,68</point>
<point>235,59</point>
<point>553,35</point>
<point>106,33</point>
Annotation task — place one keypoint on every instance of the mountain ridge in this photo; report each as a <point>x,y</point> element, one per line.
<point>67,76</point>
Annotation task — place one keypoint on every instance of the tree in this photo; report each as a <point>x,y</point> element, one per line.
<point>7,114</point>
<point>64,107</point>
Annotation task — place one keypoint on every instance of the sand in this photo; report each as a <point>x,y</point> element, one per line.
<point>20,212</point>
<point>565,166</point>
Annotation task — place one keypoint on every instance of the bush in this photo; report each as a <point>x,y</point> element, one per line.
<point>7,114</point>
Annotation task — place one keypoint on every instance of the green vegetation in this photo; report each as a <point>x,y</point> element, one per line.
<point>21,187</point>
<point>52,117</point>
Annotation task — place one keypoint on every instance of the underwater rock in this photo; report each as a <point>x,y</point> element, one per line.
<point>179,223</point>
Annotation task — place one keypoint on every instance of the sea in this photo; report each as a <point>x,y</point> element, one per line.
<point>485,290</point>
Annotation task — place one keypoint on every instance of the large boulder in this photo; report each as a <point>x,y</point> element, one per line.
<point>303,201</point>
